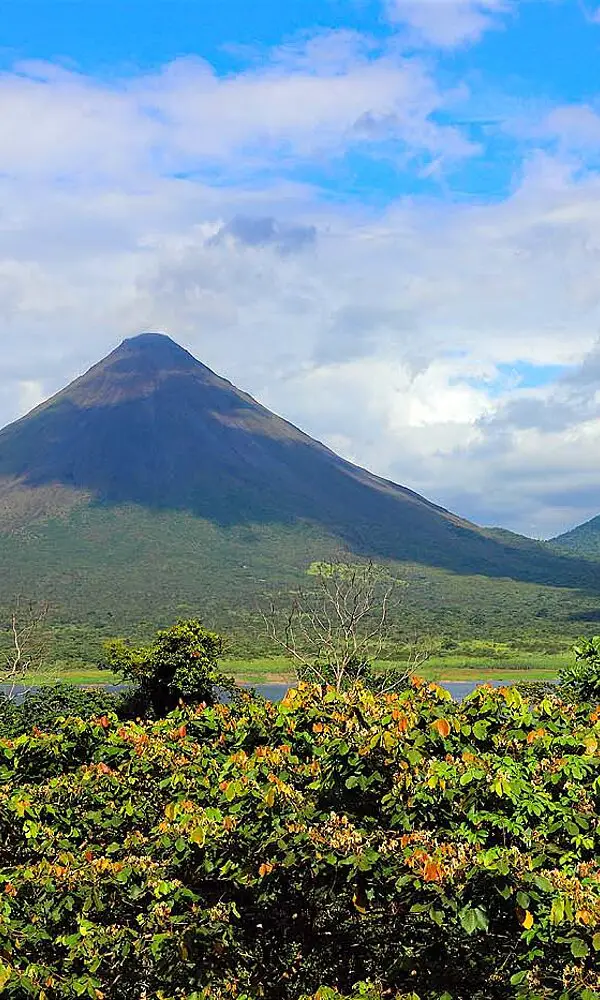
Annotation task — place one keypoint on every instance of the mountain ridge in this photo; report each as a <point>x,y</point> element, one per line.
<point>582,540</point>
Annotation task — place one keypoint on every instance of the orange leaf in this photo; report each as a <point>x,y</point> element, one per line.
<point>441,726</point>
<point>433,872</point>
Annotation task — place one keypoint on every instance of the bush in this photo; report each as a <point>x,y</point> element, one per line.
<point>535,691</point>
<point>582,680</point>
<point>261,850</point>
<point>45,707</point>
<point>181,665</point>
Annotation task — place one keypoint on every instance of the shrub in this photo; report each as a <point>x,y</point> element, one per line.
<point>582,680</point>
<point>261,850</point>
<point>45,707</point>
<point>535,691</point>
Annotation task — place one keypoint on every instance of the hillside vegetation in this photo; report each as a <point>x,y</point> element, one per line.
<point>583,541</point>
<point>129,570</point>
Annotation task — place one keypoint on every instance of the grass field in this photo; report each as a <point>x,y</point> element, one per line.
<point>518,667</point>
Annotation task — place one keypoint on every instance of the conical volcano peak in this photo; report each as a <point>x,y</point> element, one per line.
<point>153,349</point>
<point>136,369</point>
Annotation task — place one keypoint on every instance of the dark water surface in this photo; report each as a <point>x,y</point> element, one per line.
<point>275,692</point>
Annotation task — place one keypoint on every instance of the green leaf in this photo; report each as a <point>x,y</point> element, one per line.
<point>473,919</point>
<point>518,978</point>
<point>5,974</point>
<point>557,911</point>
<point>579,948</point>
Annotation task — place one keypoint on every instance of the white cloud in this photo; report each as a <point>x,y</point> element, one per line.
<point>449,23</point>
<point>318,99</point>
<point>574,127</point>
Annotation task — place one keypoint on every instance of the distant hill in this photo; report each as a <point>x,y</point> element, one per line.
<point>152,483</point>
<point>584,540</point>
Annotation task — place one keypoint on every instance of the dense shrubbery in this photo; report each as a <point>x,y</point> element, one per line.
<point>581,681</point>
<point>46,707</point>
<point>252,850</point>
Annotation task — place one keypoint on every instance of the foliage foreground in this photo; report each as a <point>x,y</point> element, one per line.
<point>422,848</point>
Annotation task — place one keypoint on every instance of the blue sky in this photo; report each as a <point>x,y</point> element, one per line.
<point>382,217</point>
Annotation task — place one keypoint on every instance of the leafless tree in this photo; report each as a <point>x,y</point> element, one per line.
<point>335,630</point>
<point>26,643</point>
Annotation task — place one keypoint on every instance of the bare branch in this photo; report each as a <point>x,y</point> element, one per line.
<point>335,631</point>
<point>26,645</point>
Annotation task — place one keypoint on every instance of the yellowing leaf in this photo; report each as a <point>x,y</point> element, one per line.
<point>270,796</point>
<point>198,836</point>
<point>525,918</point>
<point>358,903</point>
<point>441,726</point>
<point>5,973</point>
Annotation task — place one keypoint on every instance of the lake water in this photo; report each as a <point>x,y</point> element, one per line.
<point>275,692</point>
<point>458,689</point>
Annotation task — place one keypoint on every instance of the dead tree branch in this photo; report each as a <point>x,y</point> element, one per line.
<point>336,630</point>
<point>26,645</point>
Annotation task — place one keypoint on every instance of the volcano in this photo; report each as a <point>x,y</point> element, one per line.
<point>151,430</point>
<point>149,425</point>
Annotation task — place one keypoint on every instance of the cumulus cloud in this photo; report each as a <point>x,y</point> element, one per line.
<point>448,23</point>
<point>172,201</point>
<point>309,100</point>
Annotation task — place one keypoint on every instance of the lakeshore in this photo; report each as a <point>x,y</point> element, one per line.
<point>278,670</point>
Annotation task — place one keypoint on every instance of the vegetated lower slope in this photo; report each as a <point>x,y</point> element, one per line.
<point>152,483</point>
<point>584,540</point>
